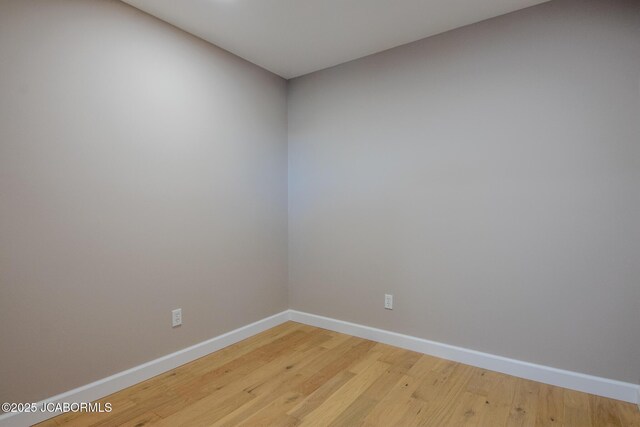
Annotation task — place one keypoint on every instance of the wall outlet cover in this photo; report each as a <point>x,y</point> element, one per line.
<point>176,317</point>
<point>388,301</point>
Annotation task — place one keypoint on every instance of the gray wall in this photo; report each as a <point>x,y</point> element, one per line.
<point>489,178</point>
<point>141,170</point>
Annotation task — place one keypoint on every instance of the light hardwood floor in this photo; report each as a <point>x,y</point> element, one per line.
<point>300,375</point>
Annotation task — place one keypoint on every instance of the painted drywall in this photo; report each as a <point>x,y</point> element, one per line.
<point>487,177</point>
<point>141,170</point>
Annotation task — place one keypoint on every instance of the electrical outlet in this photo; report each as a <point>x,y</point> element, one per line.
<point>388,301</point>
<point>176,317</point>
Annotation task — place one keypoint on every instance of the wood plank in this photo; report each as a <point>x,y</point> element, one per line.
<point>392,407</point>
<point>550,405</point>
<point>450,392</point>
<point>345,395</point>
<point>577,409</point>
<point>606,412</point>
<point>629,414</point>
<point>316,398</point>
<point>245,390</point>
<point>525,404</point>
<point>499,399</point>
<point>466,411</point>
<point>355,413</point>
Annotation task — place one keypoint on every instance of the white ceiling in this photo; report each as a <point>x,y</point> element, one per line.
<point>296,37</point>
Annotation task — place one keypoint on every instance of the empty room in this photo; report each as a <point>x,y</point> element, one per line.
<point>320,213</point>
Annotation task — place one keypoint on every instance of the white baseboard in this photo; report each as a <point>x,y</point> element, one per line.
<point>558,377</point>
<point>106,386</point>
